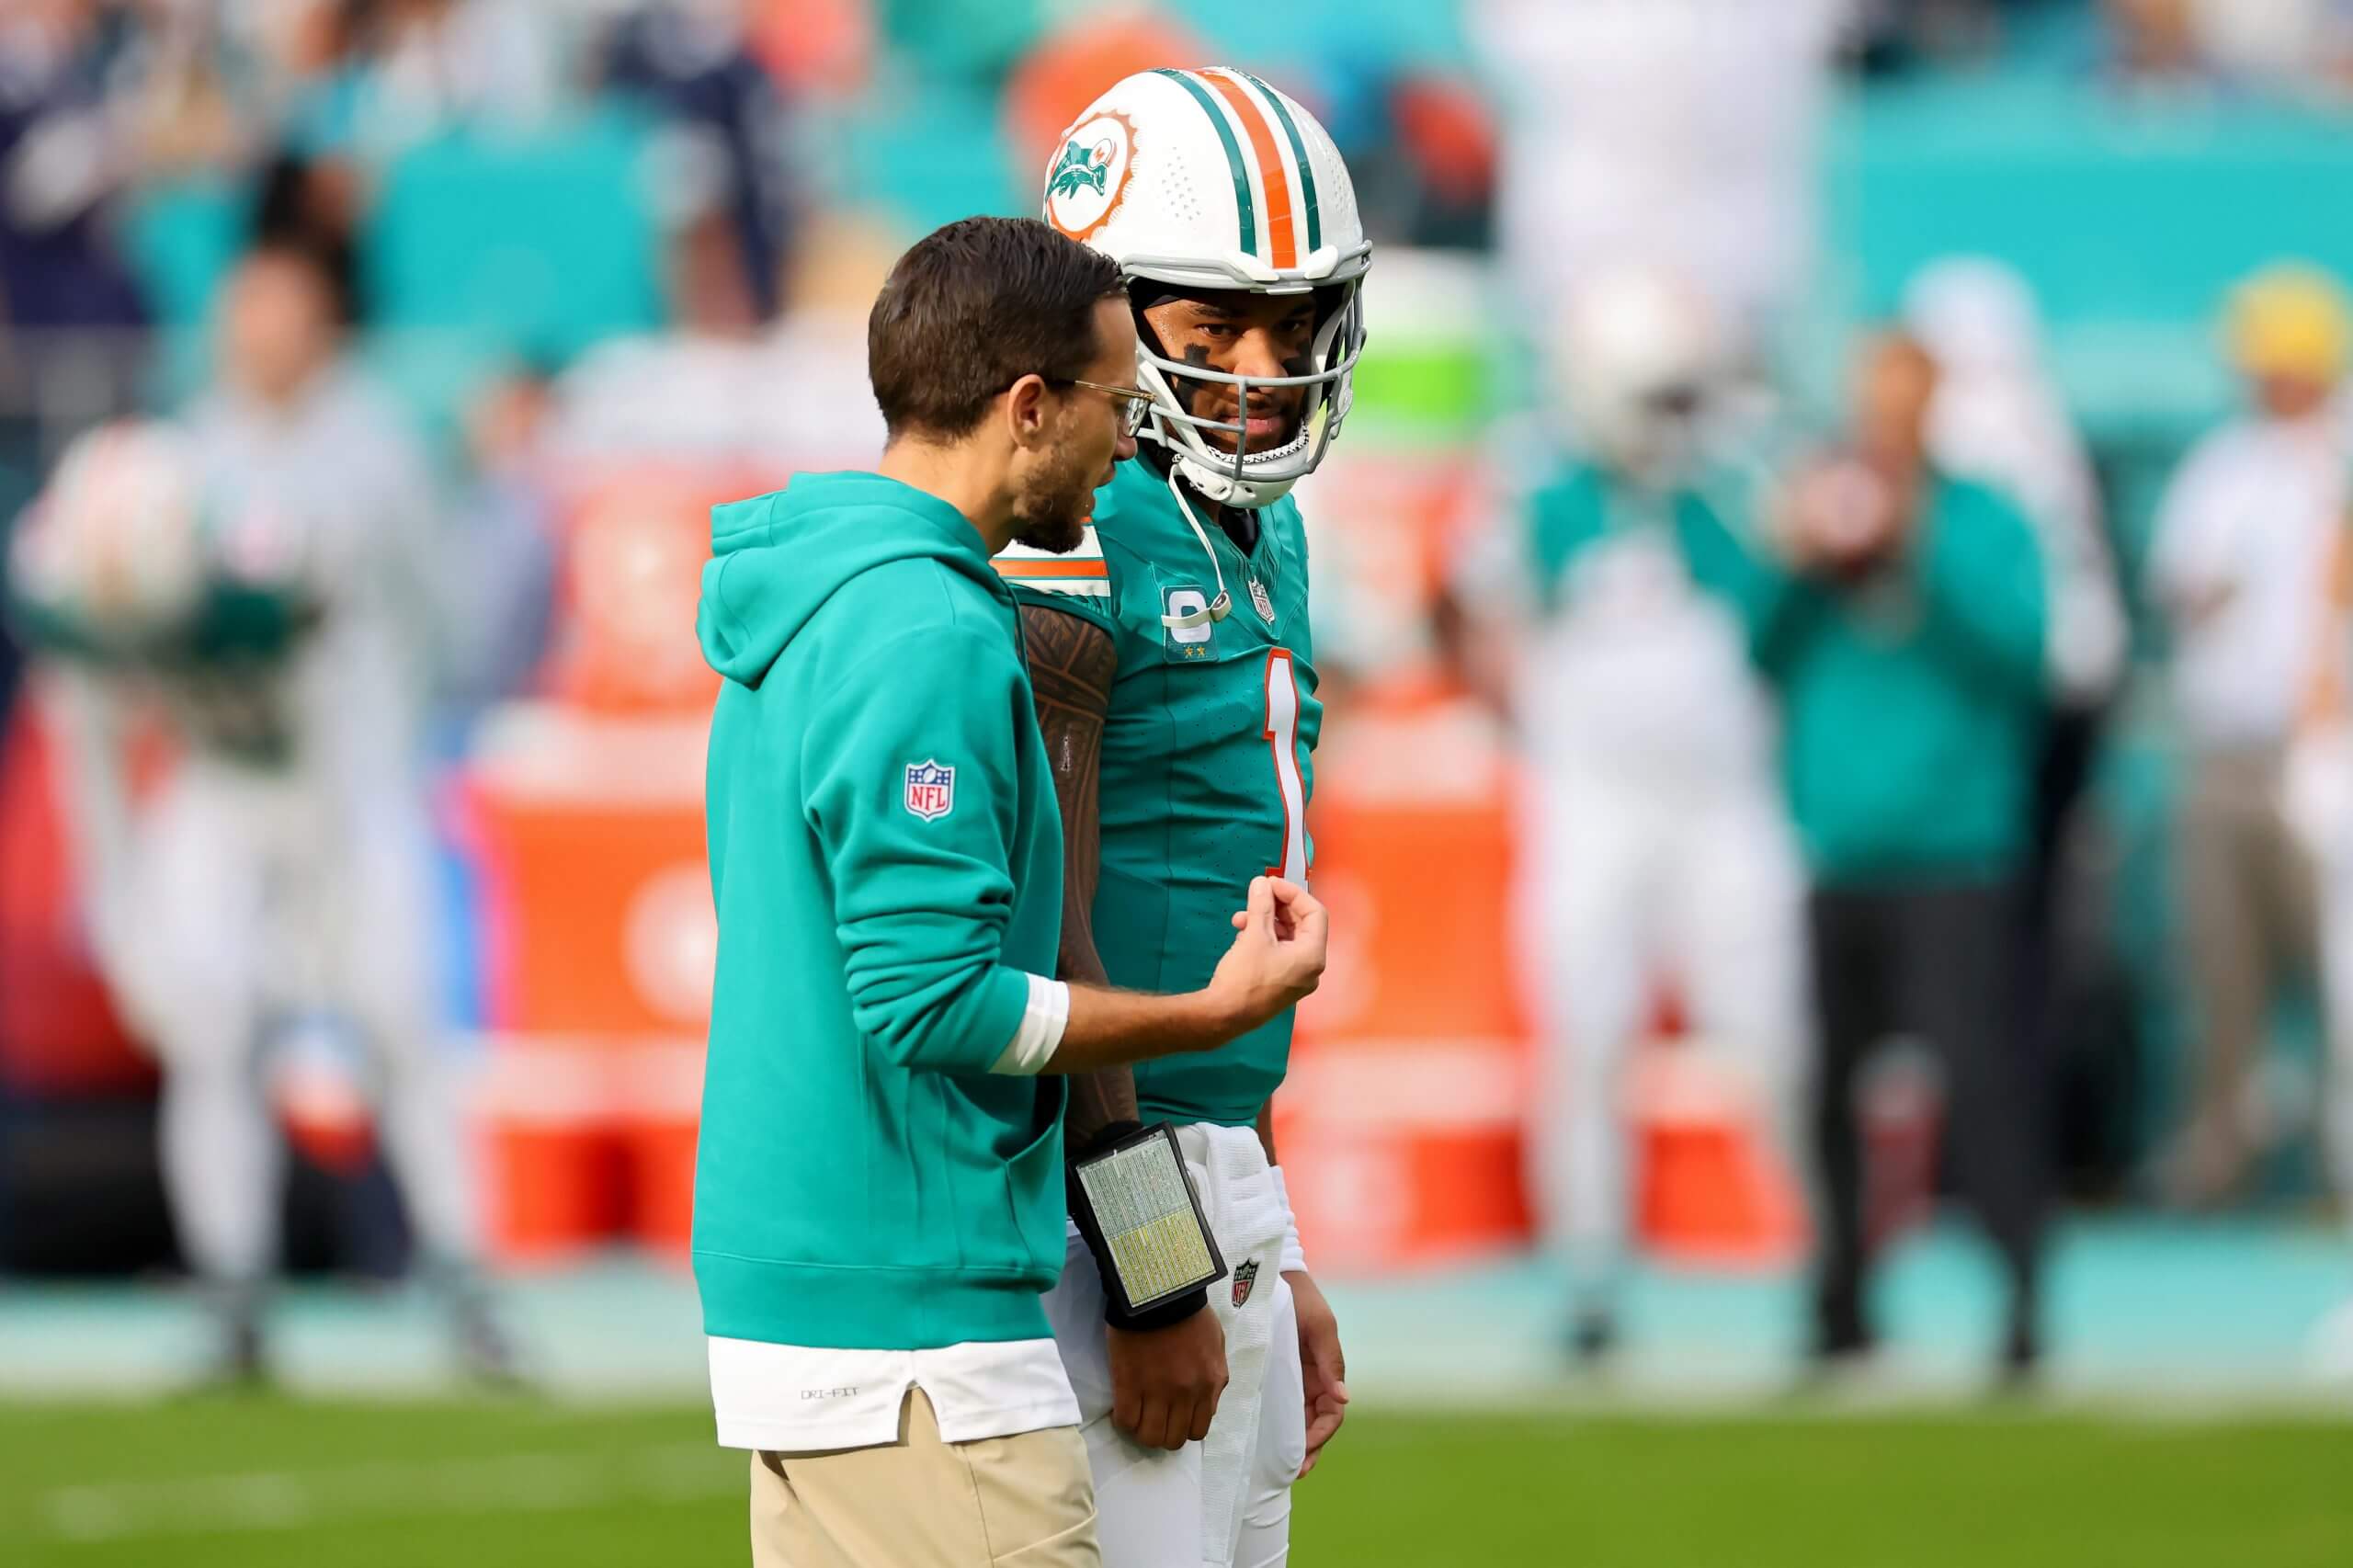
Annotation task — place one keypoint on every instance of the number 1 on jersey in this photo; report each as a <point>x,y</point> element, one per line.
<point>1282,738</point>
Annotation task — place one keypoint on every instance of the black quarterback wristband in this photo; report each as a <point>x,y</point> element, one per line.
<point>1133,1200</point>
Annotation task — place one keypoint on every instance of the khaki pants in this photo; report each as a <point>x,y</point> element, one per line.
<point>2250,923</point>
<point>1020,1502</point>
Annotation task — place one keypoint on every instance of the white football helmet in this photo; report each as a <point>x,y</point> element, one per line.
<point>117,540</point>
<point>1208,179</point>
<point>1638,356</point>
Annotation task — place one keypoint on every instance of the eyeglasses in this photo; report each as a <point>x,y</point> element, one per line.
<point>1138,403</point>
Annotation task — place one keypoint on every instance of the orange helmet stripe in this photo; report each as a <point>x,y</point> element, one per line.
<point>1281,236</point>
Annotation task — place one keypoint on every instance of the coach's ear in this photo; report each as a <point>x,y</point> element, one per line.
<point>1028,412</point>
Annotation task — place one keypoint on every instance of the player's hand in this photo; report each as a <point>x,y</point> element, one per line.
<point>1278,953</point>
<point>1838,519</point>
<point>1165,1382</point>
<point>1322,1367</point>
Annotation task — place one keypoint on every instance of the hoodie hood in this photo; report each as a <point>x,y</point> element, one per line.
<point>776,559</point>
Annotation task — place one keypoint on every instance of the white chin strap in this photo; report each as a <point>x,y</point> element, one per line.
<point>1222,605</point>
<point>1219,485</point>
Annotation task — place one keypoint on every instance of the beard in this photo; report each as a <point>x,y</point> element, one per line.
<point>1051,512</point>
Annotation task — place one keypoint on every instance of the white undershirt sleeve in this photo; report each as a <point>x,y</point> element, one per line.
<point>1040,1033</point>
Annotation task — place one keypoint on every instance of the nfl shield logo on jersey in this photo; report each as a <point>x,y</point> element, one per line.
<point>1262,600</point>
<point>931,789</point>
<point>1245,1274</point>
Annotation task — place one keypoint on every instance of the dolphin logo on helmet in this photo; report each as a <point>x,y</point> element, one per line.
<point>1211,179</point>
<point>1080,168</point>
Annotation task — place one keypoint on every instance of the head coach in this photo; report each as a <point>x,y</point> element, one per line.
<point>879,1186</point>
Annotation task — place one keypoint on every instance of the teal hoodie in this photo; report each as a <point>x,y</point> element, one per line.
<point>1913,703</point>
<point>864,1180</point>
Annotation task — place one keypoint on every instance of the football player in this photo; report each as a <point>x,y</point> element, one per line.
<point>1175,682</point>
<point>1661,847</point>
<point>268,910</point>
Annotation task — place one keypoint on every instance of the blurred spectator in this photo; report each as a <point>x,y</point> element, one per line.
<point>2156,44</point>
<point>2243,546</point>
<point>1904,624</point>
<point>347,86</point>
<point>822,48</point>
<point>691,61</point>
<point>1672,132</point>
<point>61,158</point>
<point>1446,140</point>
<point>2296,45</point>
<point>72,350</point>
<point>1999,419</point>
<point>1662,850</point>
<point>299,73</point>
<point>696,390</point>
<point>429,64</point>
<point>1423,146</point>
<point>496,570</point>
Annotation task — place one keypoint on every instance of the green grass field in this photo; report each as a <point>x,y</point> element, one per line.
<point>266,1483</point>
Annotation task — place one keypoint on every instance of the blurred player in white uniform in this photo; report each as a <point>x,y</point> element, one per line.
<point>1660,850</point>
<point>268,913</point>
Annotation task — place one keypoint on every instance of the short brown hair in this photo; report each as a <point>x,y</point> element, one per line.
<point>971,309</point>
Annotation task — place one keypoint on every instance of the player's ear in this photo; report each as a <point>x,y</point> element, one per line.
<point>1028,411</point>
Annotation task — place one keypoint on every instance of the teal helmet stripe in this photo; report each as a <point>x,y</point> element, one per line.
<point>1297,150</point>
<point>1244,202</point>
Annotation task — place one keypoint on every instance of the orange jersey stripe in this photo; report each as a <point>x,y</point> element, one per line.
<point>1270,164</point>
<point>1054,569</point>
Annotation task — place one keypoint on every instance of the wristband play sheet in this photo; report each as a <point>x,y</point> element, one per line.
<point>1153,1230</point>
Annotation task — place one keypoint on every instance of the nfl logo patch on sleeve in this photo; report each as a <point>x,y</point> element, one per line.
<point>931,789</point>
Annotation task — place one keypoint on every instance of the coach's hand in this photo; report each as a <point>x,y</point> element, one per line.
<point>1278,953</point>
<point>1165,1382</point>
<point>1322,1367</point>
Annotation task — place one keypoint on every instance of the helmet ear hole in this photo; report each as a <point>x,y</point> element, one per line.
<point>1145,294</point>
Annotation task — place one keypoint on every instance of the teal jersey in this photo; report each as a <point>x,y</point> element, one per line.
<point>226,669</point>
<point>1207,758</point>
<point>1573,517</point>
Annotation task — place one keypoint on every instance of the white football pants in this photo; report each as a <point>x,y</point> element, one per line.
<point>1627,884</point>
<point>1225,1500</point>
<point>240,900</point>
